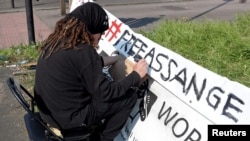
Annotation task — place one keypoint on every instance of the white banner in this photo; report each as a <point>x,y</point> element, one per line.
<point>184,97</point>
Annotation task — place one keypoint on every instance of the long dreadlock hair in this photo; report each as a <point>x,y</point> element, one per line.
<point>68,33</point>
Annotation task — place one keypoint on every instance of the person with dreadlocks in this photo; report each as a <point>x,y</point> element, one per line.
<point>70,88</point>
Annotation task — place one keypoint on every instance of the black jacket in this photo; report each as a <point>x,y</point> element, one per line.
<point>67,80</point>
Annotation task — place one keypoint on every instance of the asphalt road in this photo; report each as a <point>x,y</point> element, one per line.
<point>141,13</point>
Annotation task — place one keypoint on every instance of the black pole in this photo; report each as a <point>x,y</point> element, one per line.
<point>30,21</point>
<point>12,3</point>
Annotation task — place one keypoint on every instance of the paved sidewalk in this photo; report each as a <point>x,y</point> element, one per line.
<point>13,24</point>
<point>14,30</point>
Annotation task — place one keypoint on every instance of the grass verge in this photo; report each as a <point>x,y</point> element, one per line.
<point>220,46</point>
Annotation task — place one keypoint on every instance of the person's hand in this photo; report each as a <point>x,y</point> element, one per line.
<point>141,67</point>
